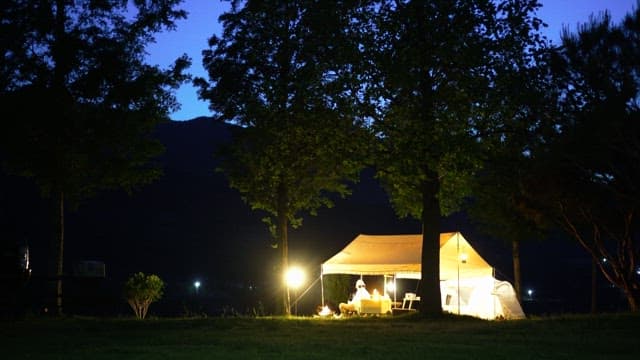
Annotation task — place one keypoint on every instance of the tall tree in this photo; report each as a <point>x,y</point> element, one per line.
<point>499,208</point>
<point>438,78</point>
<point>284,72</point>
<point>587,170</point>
<point>525,98</point>
<point>78,100</point>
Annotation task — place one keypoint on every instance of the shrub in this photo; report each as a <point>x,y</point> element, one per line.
<point>141,290</point>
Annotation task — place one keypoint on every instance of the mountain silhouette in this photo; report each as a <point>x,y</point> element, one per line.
<point>190,225</point>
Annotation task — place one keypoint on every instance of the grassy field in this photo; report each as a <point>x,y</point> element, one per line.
<point>615,336</point>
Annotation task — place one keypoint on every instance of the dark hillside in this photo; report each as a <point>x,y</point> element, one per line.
<point>190,225</point>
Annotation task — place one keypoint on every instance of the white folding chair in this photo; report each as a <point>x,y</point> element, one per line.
<point>409,298</point>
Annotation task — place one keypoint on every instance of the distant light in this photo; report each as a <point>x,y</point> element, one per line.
<point>530,292</point>
<point>294,277</point>
<point>196,284</point>
<point>604,260</point>
<point>638,271</point>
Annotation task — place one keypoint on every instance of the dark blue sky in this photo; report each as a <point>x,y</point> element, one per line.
<point>192,34</point>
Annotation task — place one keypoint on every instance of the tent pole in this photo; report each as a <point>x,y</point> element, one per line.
<point>384,284</point>
<point>458,262</point>
<point>321,286</point>
<point>395,289</point>
<point>493,290</point>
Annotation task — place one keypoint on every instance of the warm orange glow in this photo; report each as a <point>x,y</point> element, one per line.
<point>375,295</point>
<point>294,277</point>
<point>325,311</point>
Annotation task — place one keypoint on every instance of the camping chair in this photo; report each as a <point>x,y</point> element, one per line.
<point>409,298</point>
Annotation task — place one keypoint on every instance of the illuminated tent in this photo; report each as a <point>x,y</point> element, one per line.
<point>467,284</point>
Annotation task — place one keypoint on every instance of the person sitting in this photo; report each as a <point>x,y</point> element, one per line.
<point>361,293</point>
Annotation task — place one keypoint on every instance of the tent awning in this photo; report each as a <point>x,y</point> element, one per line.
<point>400,255</point>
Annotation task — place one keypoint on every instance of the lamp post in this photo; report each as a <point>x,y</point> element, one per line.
<point>294,277</point>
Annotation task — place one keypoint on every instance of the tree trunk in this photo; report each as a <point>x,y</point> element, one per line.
<point>633,298</point>
<point>594,285</point>
<point>621,271</point>
<point>429,290</point>
<point>60,254</point>
<point>61,66</point>
<point>284,246</point>
<point>517,275</point>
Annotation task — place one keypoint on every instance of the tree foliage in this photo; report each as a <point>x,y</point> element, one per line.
<point>337,288</point>
<point>141,290</point>
<point>442,68</point>
<point>78,100</point>
<point>525,100</point>
<point>586,171</point>
<point>284,72</point>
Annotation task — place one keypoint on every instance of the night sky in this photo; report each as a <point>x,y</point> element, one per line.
<point>192,34</point>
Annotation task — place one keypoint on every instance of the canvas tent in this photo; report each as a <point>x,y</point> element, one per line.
<point>467,281</point>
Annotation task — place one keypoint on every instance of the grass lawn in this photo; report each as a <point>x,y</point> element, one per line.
<point>608,336</point>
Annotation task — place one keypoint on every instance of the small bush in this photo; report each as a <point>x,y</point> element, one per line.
<point>141,290</point>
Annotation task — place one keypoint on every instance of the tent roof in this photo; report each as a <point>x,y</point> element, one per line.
<point>400,255</point>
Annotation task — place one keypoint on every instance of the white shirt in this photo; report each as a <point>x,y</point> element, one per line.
<point>361,293</point>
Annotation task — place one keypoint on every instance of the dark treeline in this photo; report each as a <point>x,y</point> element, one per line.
<point>453,106</point>
<point>465,106</point>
